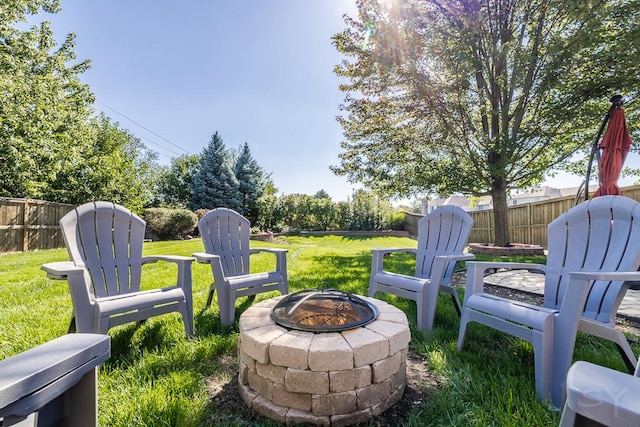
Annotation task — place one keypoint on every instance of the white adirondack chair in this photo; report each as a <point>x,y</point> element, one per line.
<point>442,237</point>
<point>104,241</point>
<point>591,246</point>
<point>225,234</point>
<point>603,395</point>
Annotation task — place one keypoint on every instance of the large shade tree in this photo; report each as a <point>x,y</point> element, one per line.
<point>113,165</point>
<point>478,97</point>
<point>43,104</point>
<point>175,181</point>
<point>52,146</point>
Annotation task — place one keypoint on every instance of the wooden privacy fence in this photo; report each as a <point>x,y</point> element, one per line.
<point>527,222</point>
<point>28,225</point>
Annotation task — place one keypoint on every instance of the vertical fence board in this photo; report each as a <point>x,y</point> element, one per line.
<point>28,225</point>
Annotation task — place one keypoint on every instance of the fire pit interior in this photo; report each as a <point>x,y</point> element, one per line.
<point>333,378</point>
<point>323,310</point>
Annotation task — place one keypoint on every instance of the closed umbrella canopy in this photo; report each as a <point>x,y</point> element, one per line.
<point>615,147</point>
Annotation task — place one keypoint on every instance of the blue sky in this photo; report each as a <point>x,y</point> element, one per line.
<point>256,71</point>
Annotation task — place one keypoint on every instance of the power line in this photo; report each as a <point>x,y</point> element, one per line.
<point>145,128</point>
<point>155,143</point>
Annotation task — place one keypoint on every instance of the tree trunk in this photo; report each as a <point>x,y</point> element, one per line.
<point>500,219</point>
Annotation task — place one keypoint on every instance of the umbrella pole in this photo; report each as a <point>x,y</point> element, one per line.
<point>616,102</point>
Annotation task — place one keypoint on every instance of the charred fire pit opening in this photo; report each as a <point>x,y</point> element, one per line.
<point>323,310</point>
<point>329,378</point>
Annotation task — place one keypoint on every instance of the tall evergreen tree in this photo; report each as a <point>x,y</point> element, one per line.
<point>214,184</point>
<point>252,181</point>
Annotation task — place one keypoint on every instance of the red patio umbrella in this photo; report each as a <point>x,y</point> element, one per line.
<point>615,147</point>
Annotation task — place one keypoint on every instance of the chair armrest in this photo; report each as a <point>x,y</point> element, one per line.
<point>281,257</point>
<point>205,258</point>
<point>61,270</point>
<point>603,394</point>
<point>31,379</point>
<point>476,271</point>
<point>386,251</point>
<point>580,284</point>
<point>214,262</point>
<point>623,276</point>
<point>81,291</point>
<point>377,257</point>
<point>441,263</point>
<point>456,257</point>
<point>270,250</point>
<point>184,267</point>
<point>178,259</point>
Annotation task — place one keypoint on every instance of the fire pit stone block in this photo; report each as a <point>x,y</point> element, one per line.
<point>283,397</point>
<point>271,372</point>
<point>344,380</point>
<point>269,409</point>
<point>291,350</point>
<point>397,334</point>
<point>256,344</point>
<point>368,346</point>
<point>384,369</point>
<point>297,417</point>
<point>303,381</point>
<point>334,403</point>
<point>330,351</point>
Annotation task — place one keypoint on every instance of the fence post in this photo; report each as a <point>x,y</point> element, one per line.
<point>25,240</point>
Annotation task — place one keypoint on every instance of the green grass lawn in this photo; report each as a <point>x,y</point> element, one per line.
<point>156,377</point>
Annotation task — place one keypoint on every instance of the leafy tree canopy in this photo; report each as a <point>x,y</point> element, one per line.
<point>112,165</point>
<point>175,181</point>
<point>478,97</point>
<point>44,105</point>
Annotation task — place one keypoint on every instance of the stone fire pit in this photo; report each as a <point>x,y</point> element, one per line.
<point>326,378</point>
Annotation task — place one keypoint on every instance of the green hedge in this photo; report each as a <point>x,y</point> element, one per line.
<point>170,224</point>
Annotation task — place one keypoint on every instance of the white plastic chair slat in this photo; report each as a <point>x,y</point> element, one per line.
<point>446,232</point>
<point>223,244</point>
<point>235,253</point>
<point>245,231</point>
<point>127,250</point>
<point>429,244</point>
<point>90,253</point>
<point>104,223</point>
